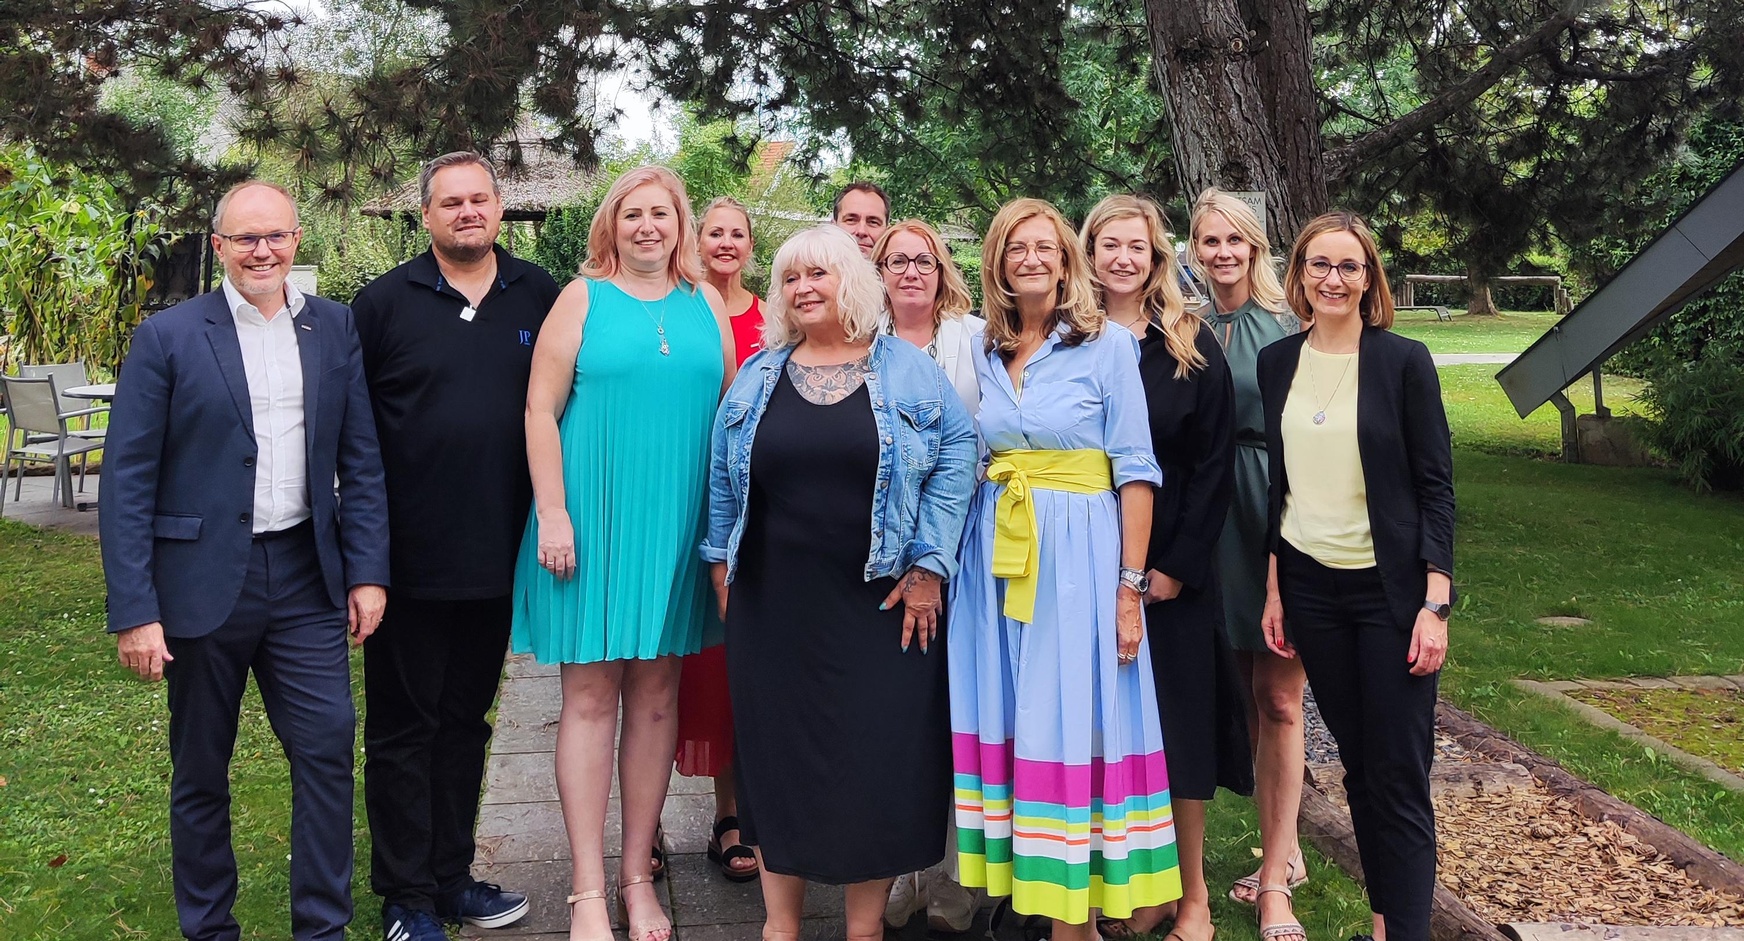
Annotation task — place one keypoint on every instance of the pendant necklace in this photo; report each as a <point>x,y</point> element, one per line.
<point>659,322</point>
<point>1320,416</point>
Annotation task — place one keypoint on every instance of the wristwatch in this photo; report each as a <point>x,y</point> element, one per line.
<point>1440,609</point>
<point>1135,579</point>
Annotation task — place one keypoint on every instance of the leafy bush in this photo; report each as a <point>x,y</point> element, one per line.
<point>562,242</point>
<point>1698,418</point>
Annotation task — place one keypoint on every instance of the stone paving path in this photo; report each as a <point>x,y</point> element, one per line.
<point>1474,359</point>
<point>522,845</point>
<point>37,509</point>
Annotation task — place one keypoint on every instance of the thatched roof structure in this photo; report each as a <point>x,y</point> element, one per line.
<point>543,182</point>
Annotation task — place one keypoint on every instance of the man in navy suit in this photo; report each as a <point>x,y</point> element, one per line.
<point>226,550</point>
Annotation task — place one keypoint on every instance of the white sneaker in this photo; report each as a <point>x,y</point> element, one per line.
<point>950,907</point>
<point>906,898</point>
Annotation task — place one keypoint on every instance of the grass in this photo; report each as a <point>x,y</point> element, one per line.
<point>1508,332</point>
<point>1482,419</point>
<point>1704,722</point>
<point>84,770</point>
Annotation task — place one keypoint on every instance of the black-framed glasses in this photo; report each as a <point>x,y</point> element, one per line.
<point>925,263</point>
<point>248,240</point>
<point>1347,270</point>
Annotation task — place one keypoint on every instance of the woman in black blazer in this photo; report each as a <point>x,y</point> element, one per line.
<point>1361,533</point>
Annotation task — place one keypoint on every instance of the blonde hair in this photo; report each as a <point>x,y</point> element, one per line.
<point>859,292</point>
<point>1075,296</point>
<point>1376,303</point>
<point>953,300</point>
<point>1160,296</point>
<point>728,202</point>
<point>1262,276</point>
<point>683,267</point>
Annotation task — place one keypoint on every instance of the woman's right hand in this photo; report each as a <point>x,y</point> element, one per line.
<point>556,542</point>
<point>718,575</point>
<point>1272,624</point>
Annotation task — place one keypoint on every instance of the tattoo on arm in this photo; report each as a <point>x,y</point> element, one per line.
<point>827,385</point>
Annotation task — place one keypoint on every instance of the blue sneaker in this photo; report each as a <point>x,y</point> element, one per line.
<point>485,905</point>
<point>400,923</point>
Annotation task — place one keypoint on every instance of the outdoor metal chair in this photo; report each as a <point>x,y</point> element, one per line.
<point>33,408</point>
<point>70,376</point>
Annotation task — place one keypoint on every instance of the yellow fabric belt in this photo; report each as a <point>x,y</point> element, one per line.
<point>1017,550</point>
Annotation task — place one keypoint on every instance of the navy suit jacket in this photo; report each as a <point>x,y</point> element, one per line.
<point>1406,453</point>
<point>178,475</point>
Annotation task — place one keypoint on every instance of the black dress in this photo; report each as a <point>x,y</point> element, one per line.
<point>1198,687</point>
<point>843,740</point>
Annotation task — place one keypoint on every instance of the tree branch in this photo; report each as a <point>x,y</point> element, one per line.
<point>1341,162</point>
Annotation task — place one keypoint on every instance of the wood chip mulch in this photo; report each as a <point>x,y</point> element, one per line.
<point>1529,856</point>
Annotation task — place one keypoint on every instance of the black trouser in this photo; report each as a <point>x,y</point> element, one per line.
<point>1383,719</point>
<point>430,674</point>
<point>285,628</point>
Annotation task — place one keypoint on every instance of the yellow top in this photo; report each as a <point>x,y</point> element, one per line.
<point>1017,549</point>
<point>1326,510</point>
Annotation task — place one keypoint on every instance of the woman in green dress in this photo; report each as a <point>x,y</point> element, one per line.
<point>1231,256</point>
<point>627,372</point>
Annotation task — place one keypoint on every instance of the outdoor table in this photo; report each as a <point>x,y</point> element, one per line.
<point>97,392</point>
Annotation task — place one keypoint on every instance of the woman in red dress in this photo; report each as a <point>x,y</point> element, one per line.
<point>705,716</point>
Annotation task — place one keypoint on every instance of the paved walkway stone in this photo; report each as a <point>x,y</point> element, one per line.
<point>1474,359</point>
<point>522,845</point>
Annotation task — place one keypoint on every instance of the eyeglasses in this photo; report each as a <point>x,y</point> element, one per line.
<point>1347,270</point>
<point>248,241</point>
<point>924,263</point>
<point>1045,251</point>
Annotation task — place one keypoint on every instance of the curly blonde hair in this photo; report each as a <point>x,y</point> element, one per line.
<point>1074,298</point>
<point>1160,296</point>
<point>684,267</point>
<point>859,295</point>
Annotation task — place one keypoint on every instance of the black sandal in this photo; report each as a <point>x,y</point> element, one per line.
<point>724,856</point>
<point>657,856</point>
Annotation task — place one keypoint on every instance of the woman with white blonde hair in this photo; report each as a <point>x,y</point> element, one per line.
<point>840,474</point>
<point>1189,400</point>
<point>1053,702</point>
<point>624,384</point>
<point>1248,312</point>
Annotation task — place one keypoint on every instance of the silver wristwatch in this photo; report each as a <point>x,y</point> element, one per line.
<point>1135,579</point>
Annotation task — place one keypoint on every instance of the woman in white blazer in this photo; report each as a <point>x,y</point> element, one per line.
<point>929,302</point>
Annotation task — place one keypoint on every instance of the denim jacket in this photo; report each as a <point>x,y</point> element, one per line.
<point>926,460</point>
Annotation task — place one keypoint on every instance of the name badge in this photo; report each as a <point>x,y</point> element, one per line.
<point>467,313</point>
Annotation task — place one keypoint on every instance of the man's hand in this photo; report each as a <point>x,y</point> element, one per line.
<point>367,602</point>
<point>142,650</point>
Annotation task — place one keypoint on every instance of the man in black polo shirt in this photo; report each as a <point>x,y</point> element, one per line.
<point>447,346</point>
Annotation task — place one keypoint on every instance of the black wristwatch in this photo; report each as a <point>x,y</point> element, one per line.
<point>1440,609</point>
<point>1136,579</point>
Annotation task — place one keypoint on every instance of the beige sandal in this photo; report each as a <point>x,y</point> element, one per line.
<point>1295,873</point>
<point>583,897</point>
<point>651,930</point>
<point>1282,929</point>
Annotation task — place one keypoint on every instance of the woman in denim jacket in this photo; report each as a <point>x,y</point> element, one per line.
<point>841,470</point>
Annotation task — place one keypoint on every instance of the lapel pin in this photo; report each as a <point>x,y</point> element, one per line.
<point>467,313</point>
<point>305,326</point>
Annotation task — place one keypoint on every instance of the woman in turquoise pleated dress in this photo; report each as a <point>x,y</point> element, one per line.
<point>626,376</point>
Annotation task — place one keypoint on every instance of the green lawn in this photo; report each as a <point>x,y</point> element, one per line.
<point>1508,332</point>
<point>1482,419</point>
<point>1658,569</point>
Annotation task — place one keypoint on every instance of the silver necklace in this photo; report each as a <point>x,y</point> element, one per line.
<point>1320,416</point>
<point>659,322</point>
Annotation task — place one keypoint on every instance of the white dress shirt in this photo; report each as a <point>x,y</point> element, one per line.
<point>275,396</point>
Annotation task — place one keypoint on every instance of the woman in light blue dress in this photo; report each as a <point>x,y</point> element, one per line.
<point>1062,789</point>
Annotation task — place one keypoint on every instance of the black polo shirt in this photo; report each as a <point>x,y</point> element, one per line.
<point>450,394</point>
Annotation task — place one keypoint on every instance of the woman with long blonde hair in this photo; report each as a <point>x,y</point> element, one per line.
<point>1053,702</point>
<point>625,379</point>
<point>1248,312</point>
<point>1189,400</point>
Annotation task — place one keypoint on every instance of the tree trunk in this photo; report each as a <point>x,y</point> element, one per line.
<point>1482,304</point>
<point>1242,109</point>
